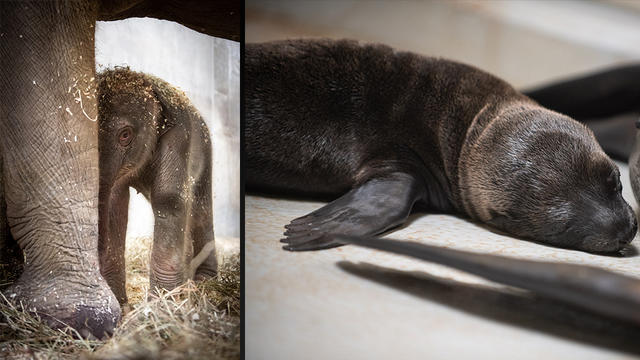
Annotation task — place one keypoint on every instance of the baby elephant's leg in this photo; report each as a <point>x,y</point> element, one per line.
<point>114,213</point>
<point>201,224</point>
<point>168,262</point>
<point>169,200</point>
<point>204,250</point>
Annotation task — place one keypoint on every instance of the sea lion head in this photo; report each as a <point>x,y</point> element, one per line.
<point>540,175</point>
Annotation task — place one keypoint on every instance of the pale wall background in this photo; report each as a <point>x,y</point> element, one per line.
<point>525,42</point>
<point>207,69</point>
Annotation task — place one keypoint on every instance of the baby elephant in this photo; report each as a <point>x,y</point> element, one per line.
<point>152,139</point>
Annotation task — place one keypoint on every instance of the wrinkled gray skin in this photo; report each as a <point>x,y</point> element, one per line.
<point>152,139</point>
<point>49,150</point>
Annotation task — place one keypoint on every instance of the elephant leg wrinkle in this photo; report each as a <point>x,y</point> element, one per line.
<point>50,181</point>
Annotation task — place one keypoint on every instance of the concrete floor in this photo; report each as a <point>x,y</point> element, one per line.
<point>353,303</point>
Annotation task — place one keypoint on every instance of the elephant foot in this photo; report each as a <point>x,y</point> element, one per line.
<point>203,274</point>
<point>94,322</point>
<point>165,276</point>
<point>92,311</point>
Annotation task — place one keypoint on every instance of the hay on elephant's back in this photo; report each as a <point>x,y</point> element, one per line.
<point>195,321</point>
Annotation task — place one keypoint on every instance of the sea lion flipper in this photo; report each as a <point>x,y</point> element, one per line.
<point>369,209</point>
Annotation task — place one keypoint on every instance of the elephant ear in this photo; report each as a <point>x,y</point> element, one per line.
<point>177,110</point>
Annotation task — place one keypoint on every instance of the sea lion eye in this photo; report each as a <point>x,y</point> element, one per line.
<point>638,123</point>
<point>125,136</point>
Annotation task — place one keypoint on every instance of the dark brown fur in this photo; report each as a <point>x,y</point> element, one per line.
<point>324,117</point>
<point>167,157</point>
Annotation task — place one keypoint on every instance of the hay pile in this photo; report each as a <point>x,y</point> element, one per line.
<point>195,321</point>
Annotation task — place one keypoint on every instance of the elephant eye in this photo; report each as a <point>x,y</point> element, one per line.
<point>125,136</point>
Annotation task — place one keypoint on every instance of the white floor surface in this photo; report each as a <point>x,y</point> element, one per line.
<point>356,303</point>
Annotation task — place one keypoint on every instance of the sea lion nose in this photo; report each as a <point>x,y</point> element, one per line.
<point>631,234</point>
<point>625,233</point>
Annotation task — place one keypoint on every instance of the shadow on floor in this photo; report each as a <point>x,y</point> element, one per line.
<point>515,308</point>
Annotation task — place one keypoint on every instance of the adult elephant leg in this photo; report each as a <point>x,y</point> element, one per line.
<point>114,213</point>
<point>50,160</point>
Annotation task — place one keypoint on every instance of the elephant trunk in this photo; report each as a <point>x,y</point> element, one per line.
<point>50,160</point>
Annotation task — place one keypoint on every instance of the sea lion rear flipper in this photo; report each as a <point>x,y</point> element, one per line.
<point>369,209</point>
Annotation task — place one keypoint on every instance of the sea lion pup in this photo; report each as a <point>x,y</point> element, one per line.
<point>388,130</point>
